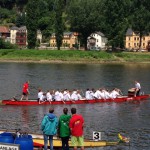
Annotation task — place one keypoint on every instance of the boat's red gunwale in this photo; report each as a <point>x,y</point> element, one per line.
<point>117,100</point>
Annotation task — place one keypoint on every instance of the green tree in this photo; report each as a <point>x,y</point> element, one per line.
<point>32,16</point>
<point>116,21</point>
<point>46,20</point>
<point>85,17</point>
<point>140,18</point>
<point>21,20</point>
<point>59,24</point>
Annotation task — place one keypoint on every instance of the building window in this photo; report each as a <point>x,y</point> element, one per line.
<point>129,39</point>
<point>97,40</point>
<point>134,44</point>
<point>135,38</point>
<point>138,38</point>
<point>143,44</point>
<point>129,44</point>
<point>143,38</point>
<point>137,44</point>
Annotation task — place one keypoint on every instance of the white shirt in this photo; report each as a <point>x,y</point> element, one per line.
<point>87,95</point>
<point>91,95</point>
<point>57,96</point>
<point>40,94</point>
<point>61,96</point>
<point>43,97</point>
<point>97,94</point>
<point>137,86</point>
<point>107,95</point>
<point>67,96</point>
<point>114,94</point>
<point>102,95</point>
<point>48,96</point>
<point>74,96</point>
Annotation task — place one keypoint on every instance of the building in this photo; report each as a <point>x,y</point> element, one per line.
<point>18,35</point>
<point>132,41</point>
<point>96,40</point>
<point>39,36</point>
<point>21,36</point>
<point>4,33</point>
<point>69,40</point>
<point>13,31</point>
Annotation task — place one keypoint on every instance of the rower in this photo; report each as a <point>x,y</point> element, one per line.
<point>57,95</point>
<point>48,96</point>
<point>66,95</point>
<point>114,93</point>
<point>42,98</point>
<point>137,88</point>
<point>87,94</point>
<point>40,93</point>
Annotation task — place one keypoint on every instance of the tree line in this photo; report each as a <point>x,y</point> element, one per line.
<point>112,17</point>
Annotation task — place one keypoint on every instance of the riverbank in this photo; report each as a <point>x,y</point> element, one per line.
<point>72,56</point>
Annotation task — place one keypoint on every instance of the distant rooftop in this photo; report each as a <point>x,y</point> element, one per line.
<point>129,32</point>
<point>4,29</point>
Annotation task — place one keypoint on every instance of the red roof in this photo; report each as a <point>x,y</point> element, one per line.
<point>4,29</point>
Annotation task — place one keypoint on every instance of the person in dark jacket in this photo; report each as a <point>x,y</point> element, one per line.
<point>63,129</point>
<point>49,127</point>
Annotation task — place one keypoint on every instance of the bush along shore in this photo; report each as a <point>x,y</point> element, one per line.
<point>72,56</point>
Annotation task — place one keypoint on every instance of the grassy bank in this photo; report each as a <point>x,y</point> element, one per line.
<point>72,56</point>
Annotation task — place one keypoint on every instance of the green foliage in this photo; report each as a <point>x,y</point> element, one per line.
<point>32,17</point>
<point>140,18</point>
<point>6,45</point>
<point>115,13</point>
<point>85,17</point>
<point>59,25</point>
<point>21,20</point>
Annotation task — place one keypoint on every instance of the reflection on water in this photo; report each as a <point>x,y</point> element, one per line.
<point>131,119</point>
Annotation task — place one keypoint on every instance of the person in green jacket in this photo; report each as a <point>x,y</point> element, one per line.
<point>63,129</point>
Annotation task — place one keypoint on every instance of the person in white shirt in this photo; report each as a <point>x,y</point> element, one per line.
<point>79,95</point>
<point>66,94</point>
<point>97,94</point>
<point>137,88</point>
<point>42,98</point>
<point>87,94</point>
<point>40,93</point>
<point>114,93</point>
<point>102,94</point>
<point>48,96</point>
<point>91,94</point>
<point>74,95</point>
<point>57,96</point>
<point>107,94</point>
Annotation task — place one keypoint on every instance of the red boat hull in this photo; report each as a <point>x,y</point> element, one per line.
<point>34,102</point>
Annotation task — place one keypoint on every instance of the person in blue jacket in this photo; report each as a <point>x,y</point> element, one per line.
<point>49,127</point>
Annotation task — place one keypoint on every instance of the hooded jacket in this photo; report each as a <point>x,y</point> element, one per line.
<point>63,127</point>
<point>49,124</point>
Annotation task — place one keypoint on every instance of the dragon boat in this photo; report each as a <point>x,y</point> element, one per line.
<point>82,101</point>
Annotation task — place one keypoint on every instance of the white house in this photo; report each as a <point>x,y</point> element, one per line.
<point>96,40</point>
<point>13,31</point>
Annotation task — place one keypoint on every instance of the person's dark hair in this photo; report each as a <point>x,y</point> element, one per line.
<point>51,110</point>
<point>65,110</point>
<point>73,110</point>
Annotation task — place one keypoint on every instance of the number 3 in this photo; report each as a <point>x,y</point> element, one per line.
<point>96,135</point>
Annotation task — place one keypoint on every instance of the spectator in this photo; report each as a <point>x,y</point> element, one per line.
<point>63,129</point>
<point>49,127</point>
<point>76,126</point>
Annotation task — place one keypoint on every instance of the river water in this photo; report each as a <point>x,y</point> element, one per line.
<point>130,119</point>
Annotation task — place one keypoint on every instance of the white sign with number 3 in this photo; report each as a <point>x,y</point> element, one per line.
<point>96,135</point>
